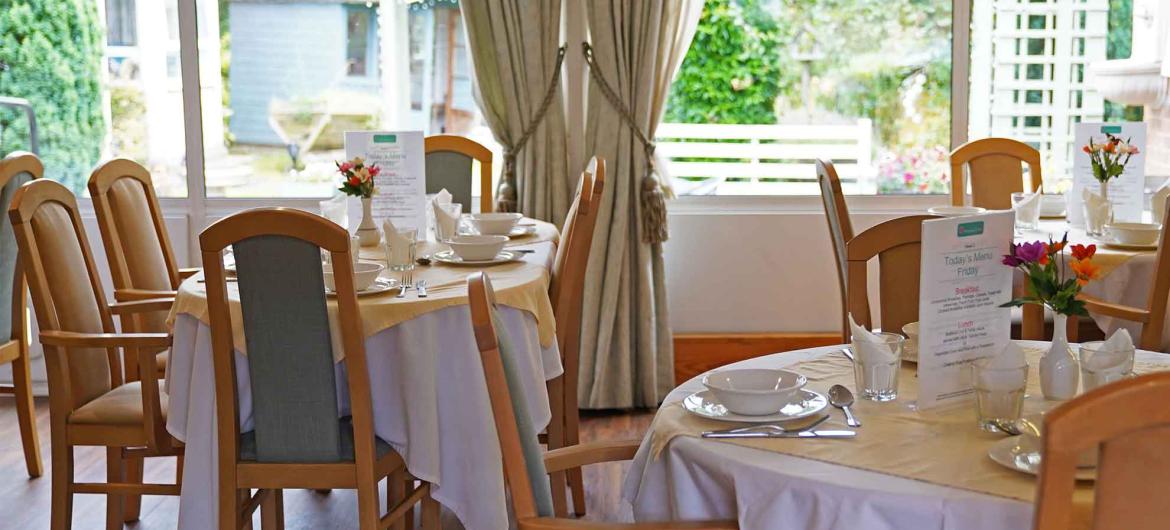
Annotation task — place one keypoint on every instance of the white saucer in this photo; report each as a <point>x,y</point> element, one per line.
<point>1109,243</point>
<point>1010,454</point>
<point>449,257</point>
<point>703,403</point>
<point>380,285</point>
<point>522,231</point>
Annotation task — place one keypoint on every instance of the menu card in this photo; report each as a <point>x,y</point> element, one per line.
<point>1126,192</point>
<point>962,284</point>
<point>400,188</point>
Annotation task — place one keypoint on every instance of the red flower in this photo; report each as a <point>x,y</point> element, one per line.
<point>374,170</point>
<point>344,167</point>
<point>355,181</point>
<point>1081,252</point>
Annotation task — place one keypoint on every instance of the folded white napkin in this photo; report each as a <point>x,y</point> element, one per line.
<point>397,246</point>
<point>869,347</point>
<point>1029,208</point>
<point>1158,203</point>
<point>446,223</point>
<point>1117,351</point>
<point>994,373</point>
<point>336,210</point>
<point>1096,206</point>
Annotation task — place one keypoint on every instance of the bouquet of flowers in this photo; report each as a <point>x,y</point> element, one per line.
<point>1050,278</point>
<point>1106,158</point>
<point>357,178</point>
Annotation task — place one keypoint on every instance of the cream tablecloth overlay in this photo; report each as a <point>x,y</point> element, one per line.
<point>520,284</point>
<point>911,469</point>
<point>429,395</point>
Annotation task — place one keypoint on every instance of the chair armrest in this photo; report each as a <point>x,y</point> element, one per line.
<point>70,339</point>
<point>141,306</point>
<point>130,295</point>
<point>552,523</point>
<point>1096,305</point>
<point>189,272</point>
<point>589,453</point>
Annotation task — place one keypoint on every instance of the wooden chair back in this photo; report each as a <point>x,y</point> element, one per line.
<point>994,172</point>
<point>133,230</point>
<point>1128,423</point>
<point>448,165</point>
<point>16,169</point>
<point>267,241</point>
<point>840,228</point>
<point>1153,315</point>
<point>897,244</point>
<point>66,291</point>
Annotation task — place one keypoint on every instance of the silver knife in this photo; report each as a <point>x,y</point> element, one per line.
<point>773,427</point>
<point>421,287</point>
<point>798,434</point>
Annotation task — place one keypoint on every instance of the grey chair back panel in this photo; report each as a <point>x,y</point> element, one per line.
<point>529,444</point>
<point>451,170</point>
<point>8,253</point>
<point>290,357</point>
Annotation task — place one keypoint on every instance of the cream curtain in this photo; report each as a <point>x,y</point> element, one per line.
<point>627,355</point>
<point>513,46</point>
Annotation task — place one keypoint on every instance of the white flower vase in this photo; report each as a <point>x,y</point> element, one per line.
<point>1059,373</point>
<point>367,231</point>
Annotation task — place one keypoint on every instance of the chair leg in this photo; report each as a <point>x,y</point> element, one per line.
<point>133,503</point>
<point>229,505</point>
<point>272,511</point>
<point>243,496</point>
<point>556,440</point>
<point>62,503</point>
<point>369,509</point>
<point>408,516</point>
<point>115,473</point>
<point>430,513</point>
<point>26,415</point>
<point>395,493</point>
<point>575,477</point>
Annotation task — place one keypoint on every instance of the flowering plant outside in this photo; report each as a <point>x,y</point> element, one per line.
<point>1106,158</point>
<point>357,178</point>
<point>1051,279</point>
<point>923,170</point>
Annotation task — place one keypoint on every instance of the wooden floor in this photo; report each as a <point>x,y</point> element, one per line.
<point>24,503</point>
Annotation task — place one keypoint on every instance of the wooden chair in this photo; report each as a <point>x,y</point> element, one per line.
<point>566,291</point>
<point>298,441</point>
<point>840,230</point>
<point>897,244</point>
<point>89,403</point>
<point>16,169</point>
<point>525,468</point>
<point>1153,316</point>
<point>138,248</point>
<point>448,165</point>
<point>1128,423</point>
<point>994,172</point>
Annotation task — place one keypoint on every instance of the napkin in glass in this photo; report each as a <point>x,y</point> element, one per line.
<point>397,246</point>
<point>336,210</point>
<point>1096,208</point>
<point>446,222</point>
<point>1029,208</point>
<point>997,372</point>
<point>1116,351</point>
<point>868,347</point>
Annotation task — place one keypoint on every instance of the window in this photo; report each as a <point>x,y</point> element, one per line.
<point>359,36</point>
<point>84,115</point>
<point>287,94</point>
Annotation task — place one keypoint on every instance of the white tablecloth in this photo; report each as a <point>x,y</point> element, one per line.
<point>430,402</point>
<point>706,479</point>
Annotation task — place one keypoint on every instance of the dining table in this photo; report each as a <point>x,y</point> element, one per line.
<point>905,468</point>
<point>1127,273</point>
<point>430,399</point>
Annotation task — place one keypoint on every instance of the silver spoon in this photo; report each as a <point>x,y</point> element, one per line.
<point>841,397</point>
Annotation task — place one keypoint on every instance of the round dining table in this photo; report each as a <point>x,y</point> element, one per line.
<point>906,469</point>
<point>428,390</point>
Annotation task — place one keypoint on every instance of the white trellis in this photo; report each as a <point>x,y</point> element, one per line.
<point>1028,72</point>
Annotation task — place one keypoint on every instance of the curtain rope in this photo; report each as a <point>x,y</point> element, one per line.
<point>508,198</point>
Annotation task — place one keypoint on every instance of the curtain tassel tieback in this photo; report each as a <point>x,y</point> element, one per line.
<point>651,197</point>
<point>508,197</point>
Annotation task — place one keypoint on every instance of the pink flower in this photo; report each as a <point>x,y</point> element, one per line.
<point>344,167</point>
<point>374,170</point>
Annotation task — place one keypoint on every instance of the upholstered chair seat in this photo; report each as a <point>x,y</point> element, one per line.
<point>120,406</point>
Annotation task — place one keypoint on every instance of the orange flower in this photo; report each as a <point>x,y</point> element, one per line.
<point>1110,147</point>
<point>1085,270</point>
<point>1053,249</point>
<point>1043,260</point>
<point>1086,149</point>
<point>1081,252</point>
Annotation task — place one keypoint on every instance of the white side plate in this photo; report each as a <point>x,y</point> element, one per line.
<point>703,403</point>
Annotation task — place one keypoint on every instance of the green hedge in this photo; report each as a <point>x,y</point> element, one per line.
<point>52,52</point>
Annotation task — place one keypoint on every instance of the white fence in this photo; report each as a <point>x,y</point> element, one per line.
<point>765,159</point>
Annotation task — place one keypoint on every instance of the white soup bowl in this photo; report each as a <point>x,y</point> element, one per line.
<point>477,248</point>
<point>1134,233</point>
<point>754,391</point>
<point>364,274</point>
<point>497,224</point>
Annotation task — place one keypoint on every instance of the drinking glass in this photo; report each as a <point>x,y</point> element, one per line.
<point>1094,375</point>
<point>1027,213</point>
<point>999,394</point>
<point>400,250</point>
<point>336,210</point>
<point>876,372</point>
